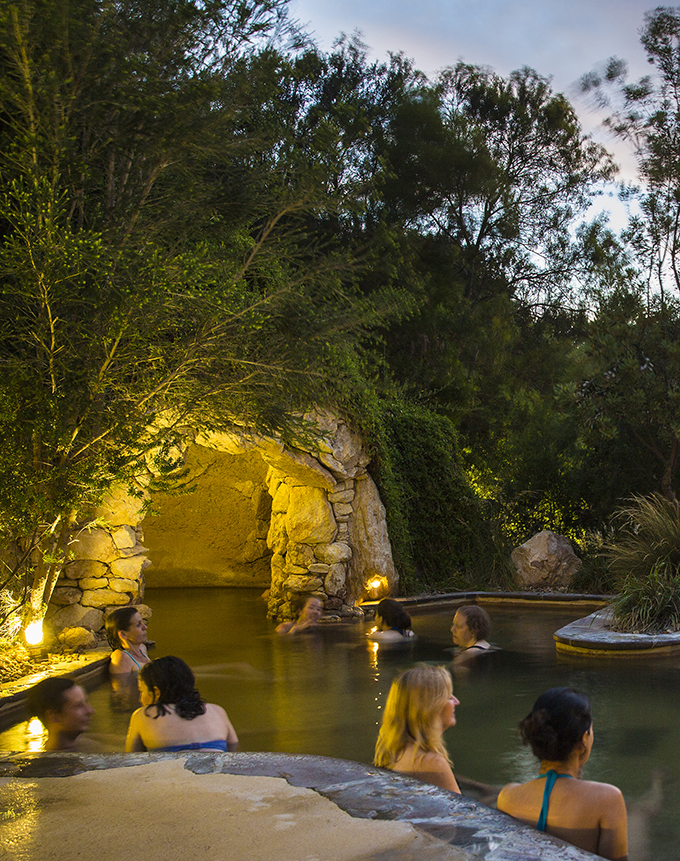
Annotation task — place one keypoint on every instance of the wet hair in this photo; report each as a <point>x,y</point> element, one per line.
<point>556,723</point>
<point>119,620</point>
<point>393,614</point>
<point>413,705</point>
<point>48,696</point>
<point>176,687</point>
<point>477,620</point>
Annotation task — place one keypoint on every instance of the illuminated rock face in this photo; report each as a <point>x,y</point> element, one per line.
<point>297,520</point>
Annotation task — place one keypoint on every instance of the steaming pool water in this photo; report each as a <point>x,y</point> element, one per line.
<point>323,693</point>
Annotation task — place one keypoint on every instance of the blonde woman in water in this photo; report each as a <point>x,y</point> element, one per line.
<point>420,706</point>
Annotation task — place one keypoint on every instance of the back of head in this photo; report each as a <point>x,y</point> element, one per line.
<point>556,724</point>
<point>48,695</point>
<point>477,620</point>
<point>393,614</point>
<point>119,620</point>
<point>176,686</point>
<point>413,706</point>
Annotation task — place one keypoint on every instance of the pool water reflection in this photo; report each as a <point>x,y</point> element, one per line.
<point>323,693</point>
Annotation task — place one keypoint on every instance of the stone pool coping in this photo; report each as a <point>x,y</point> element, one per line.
<point>468,827</point>
<point>89,668</point>
<point>591,636</point>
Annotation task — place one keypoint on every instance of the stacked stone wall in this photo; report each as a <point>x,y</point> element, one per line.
<point>104,570</point>
<point>327,533</point>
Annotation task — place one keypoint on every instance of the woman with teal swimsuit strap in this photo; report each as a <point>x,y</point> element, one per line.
<point>588,814</point>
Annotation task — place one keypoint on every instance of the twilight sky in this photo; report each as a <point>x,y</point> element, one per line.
<point>561,39</point>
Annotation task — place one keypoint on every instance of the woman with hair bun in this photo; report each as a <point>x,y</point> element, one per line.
<point>173,714</point>
<point>590,815</point>
<point>420,706</point>
<point>393,623</point>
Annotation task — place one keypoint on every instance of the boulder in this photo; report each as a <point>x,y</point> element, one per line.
<point>77,616</point>
<point>129,567</point>
<point>299,583</point>
<point>332,553</point>
<point>300,554</point>
<point>77,638</point>
<point>545,561</point>
<point>372,552</point>
<point>94,544</point>
<point>124,536</point>
<point>335,581</point>
<point>120,585</point>
<point>345,496</point>
<point>65,595</point>
<point>93,583</point>
<point>309,519</point>
<point>103,597</point>
<point>82,568</point>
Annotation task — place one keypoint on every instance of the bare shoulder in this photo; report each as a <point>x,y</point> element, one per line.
<point>605,792</point>
<point>217,711</point>
<point>506,795</point>
<point>120,662</point>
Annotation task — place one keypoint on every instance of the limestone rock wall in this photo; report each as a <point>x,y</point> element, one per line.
<point>105,568</point>
<point>216,534</point>
<point>304,519</point>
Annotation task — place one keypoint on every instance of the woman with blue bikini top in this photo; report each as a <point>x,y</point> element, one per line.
<point>173,714</point>
<point>587,814</point>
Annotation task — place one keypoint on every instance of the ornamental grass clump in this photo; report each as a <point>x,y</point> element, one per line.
<point>645,561</point>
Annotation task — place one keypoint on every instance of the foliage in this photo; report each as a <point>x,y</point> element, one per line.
<point>645,559</point>
<point>443,535</point>
<point>162,261</point>
<point>630,381</point>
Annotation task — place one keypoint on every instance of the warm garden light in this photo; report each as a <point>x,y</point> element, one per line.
<point>34,633</point>
<point>376,588</point>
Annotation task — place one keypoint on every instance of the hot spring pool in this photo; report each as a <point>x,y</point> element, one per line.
<point>323,692</point>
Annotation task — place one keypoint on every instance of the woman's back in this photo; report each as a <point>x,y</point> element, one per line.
<point>587,814</point>
<point>148,732</point>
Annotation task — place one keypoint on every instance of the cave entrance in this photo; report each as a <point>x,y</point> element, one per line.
<point>215,534</point>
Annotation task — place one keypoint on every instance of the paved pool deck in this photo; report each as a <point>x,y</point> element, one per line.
<point>250,806</point>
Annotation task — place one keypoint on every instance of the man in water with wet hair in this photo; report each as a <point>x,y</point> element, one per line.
<point>63,708</point>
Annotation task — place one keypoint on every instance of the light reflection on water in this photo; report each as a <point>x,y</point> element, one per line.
<point>323,693</point>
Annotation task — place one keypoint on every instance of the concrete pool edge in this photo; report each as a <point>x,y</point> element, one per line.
<point>591,637</point>
<point>363,792</point>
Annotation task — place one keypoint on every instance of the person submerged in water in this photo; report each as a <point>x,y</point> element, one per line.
<point>393,623</point>
<point>173,715</point>
<point>590,815</point>
<point>469,630</point>
<point>419,707</point>
<point>308,616</point>
<point>63,709</point>
<point>126,633</point>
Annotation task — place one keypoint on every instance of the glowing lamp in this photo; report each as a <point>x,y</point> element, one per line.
<point>34,633</point>
<point>376,588</point>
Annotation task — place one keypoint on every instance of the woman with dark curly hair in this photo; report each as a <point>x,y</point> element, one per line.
<point>393,623</point>
<point>173,714</point>
<point>590,815</point>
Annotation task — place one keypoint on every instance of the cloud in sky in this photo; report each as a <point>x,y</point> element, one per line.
<point>561,39</point>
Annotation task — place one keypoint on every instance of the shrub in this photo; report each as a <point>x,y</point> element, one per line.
<point>645,561</point>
